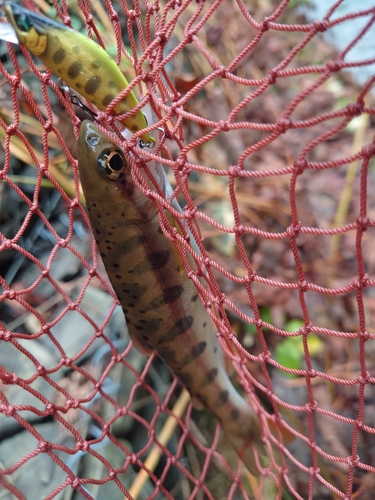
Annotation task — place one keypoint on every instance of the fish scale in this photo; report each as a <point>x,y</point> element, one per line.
<point>161,305</point>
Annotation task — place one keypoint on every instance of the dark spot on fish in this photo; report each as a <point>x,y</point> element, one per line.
<point>134,128</point>
<point>58,56</point>
<point>115,265</point>
<point>104,255</point>
<point>160,230</point>
<point>94,205</point>
<point>131,305</point>
<point>156,260</point>
<point>108,247</point>
<point>93,85</point>
<point>75,69</point>
<point>131,271</point>
<point>234,414</point>
<point>169,354</point>
<point>108,99</point>
<point>59,71</point>
<point>170,295</point>
<point>140,328</point>
<point>97,231</point>
<point>96,64</point>
<point>179,328</point>
<point>194,298</point>
<point>215,349</point>
<point>126,312</point>
<point>99,216</point>
<point>118,276</point>
<point>78,85</point>
<point>110,234</point>
<point>145,337</point>
<point>142,321</point>
<point>111,84</point>
<point>178,269</point>
<point>209,377</point>
<point>186,378</point>
<point>76,49</point>
<point>195,352</point>
<point>108,214</point>
<point>88,209</point>
<point>204,324</point>
<point>141,311</point>
<point>152,325</point>
<point>223,398</point>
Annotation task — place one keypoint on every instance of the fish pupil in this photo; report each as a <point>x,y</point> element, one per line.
<point>115,162</point>
<point>22,22</point>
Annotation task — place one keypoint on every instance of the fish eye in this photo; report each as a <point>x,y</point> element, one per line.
<point>22,22</point>
<point>112,163</point>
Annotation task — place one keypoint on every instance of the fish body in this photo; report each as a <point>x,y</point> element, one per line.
<point>83,64</point>
<point>161,305</point>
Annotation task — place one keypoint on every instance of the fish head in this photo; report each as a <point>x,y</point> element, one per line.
<point>30,28</point>
<point>107,181</point>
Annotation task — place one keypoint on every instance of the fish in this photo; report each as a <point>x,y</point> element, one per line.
<point>162,308</point>
<point>79,61</point>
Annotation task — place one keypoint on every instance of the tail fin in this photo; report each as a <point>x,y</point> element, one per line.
<point>246,438</point>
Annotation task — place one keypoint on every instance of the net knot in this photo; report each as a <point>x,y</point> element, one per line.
<point>283,125</point>
<point>300,165</point>
<point>133,15</point>
<point>9,294</point>
<point>311,407</point>
<point>235,170</point>
<point>41,370</point>
<point>302,285</point>
<point>48,127</point>
<point>320,26</point>
<point>368,151</point>
<point>361,283</point>
<point>5,335</point>
<point>114,16</point>
<point>81,445</point>
<point>352,462</point>
<point>294,230</point>
<point>223,126</point>
<point>364,379</point>
<point>66,361</point>
<point>311,373</point>
<point>11,129</point>
<point>92,272</point>
<point>45,273</point>
<point>7,410</point>
<point>112,474</point>
<point>239,229</point>
<point>363,223</point>
<point>355,108</point>
<point>250,277</point>
<point>272,77</point>
<point>334,66</point>
<point>45,78</point>
<point>50,409</point>
<point>265,24</point>
<point>45,446</point>
<point>365,335</point>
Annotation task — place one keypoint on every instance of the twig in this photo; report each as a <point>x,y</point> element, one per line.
<point>164,436</point>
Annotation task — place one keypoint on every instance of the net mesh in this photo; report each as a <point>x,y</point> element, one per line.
<point>269,142</point>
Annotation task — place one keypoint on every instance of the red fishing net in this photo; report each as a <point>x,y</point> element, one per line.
<point>268,111</point>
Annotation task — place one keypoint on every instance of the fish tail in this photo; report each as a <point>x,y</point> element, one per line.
<point>245,446</point>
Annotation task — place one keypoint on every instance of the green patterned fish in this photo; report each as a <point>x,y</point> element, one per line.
<point>162,308</point>
<point>83,64</point>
